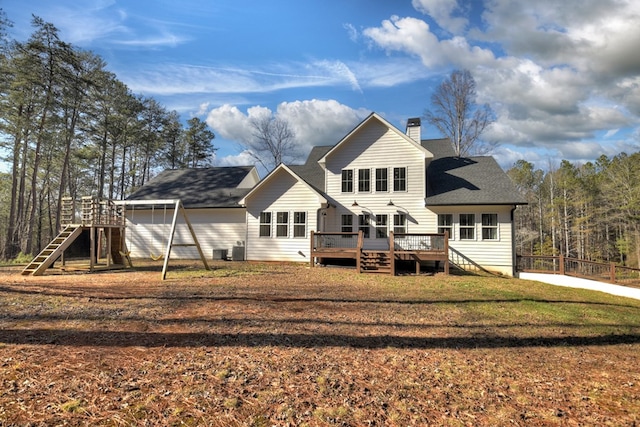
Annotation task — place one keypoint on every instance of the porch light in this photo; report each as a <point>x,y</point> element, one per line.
<point>355,203</point>
<point>399,208</point>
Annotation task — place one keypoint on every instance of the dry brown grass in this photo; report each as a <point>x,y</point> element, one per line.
<point>276,344</point>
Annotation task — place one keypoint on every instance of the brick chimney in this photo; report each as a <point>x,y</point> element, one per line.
<point>413,129</point>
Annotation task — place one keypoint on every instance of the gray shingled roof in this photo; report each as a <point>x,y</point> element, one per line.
<point>311,172</point>
<point>214,187</point>
<point>469,181</point>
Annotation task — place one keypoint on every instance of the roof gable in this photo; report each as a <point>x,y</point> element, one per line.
<point>373,118</point>
<point>271,178</point>
<point>215,187</point>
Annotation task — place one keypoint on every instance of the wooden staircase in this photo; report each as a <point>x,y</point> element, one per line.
<point>375,262</point>
<point>53,251</point>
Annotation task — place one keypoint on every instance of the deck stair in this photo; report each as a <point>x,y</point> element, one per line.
<point>53,251</point>
<point>375,262</point>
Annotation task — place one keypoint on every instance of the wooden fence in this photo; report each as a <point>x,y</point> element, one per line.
<point>600,271</point>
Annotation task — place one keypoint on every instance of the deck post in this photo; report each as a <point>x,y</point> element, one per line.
<point>392,256</point>
<point>359,251</point>
<point>446,252</point>
<point>311,257</point>
<point>612,272</point>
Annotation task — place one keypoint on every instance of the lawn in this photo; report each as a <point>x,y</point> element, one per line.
<point>250,344</point>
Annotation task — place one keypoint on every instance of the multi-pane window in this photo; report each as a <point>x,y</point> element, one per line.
<point>282,224</point>
<point>381,226</point>
<point>364,221</point>
<point>265,224</point>
<point>347,180</point>
<point>445,223</point>
<point>299,224</point>
<point>399,223</point>
<point>364,180</point>
<point>467,226</point>
<point>347,223</point>
<point>381,180</point>
<point>399,179</point>
<point>489,226</point>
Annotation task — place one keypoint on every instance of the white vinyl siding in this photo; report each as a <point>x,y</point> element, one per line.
<point>493,255</point>
<point>282,194</point>
<point>215,229</point>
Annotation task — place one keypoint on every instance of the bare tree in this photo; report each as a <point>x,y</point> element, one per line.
<point>273,141</point>
<point>458,117</point>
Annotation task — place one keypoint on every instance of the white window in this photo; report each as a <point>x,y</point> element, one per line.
<point>467,226</point>
<point>381,226</point>
<point>299,224</point>
<point>364,180</point>
<point>399,223</point>
<point>265,224</point>
<point>364,221</point>
<point>347,223</point>
<point>399,179</point>
<point>282,224</point>
<point>347,180</point>
<point>489,226</point>
<point>381,180</point>
<point>445,223</point>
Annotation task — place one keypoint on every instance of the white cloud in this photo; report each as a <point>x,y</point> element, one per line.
<point>563,73</point>
<point>314,122</point>
<point>442,12</point>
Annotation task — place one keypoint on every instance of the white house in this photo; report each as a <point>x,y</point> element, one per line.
<point>376,180</point>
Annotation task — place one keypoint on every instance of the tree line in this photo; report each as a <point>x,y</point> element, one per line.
<point>589,211</point>
<point>69,127</point>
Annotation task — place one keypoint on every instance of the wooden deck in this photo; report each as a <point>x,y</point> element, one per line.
<point>416,247</point>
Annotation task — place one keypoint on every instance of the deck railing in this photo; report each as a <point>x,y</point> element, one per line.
<point>425,246</point>
<point>418,242</point>
<point>601,271</point>
<point>92,212</point>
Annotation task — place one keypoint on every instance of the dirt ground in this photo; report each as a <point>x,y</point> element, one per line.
<point>276,344</point>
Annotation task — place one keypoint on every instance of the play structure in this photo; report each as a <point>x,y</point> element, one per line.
<point>98,230</point>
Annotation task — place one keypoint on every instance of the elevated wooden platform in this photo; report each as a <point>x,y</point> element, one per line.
<point>414,247</point>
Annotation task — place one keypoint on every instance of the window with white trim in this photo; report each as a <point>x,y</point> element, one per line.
<point>265,224</point>
<point>445,223</point>
<point>382,184</point>
<point>382,226</point>
<point>347,180</point>
<point>299,224</point>
<point>489,226</point>
<point>364,221</point>
<point>467,226</point>
<point>347,223</point>
<point>400,179</point>
<point>399,223</point>
<point>364,180</point>
<point>282,224</point>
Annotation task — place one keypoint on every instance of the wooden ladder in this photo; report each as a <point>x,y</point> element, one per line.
<point>47,257</point>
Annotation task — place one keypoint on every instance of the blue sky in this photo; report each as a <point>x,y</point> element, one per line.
<point>562,77</point>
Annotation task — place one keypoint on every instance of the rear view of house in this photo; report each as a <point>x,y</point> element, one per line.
<point>378,180</point>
